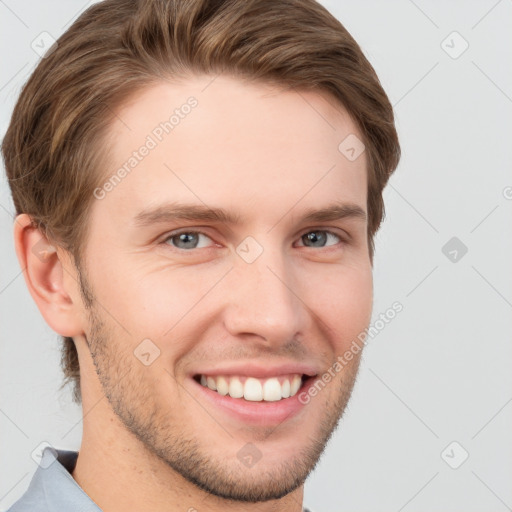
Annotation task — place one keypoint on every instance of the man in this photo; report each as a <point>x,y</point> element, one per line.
<point>198,185</point>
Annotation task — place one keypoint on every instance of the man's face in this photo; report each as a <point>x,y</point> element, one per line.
<point>245,302</point>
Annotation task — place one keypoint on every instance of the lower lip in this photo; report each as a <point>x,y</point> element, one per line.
<point>257,413</point>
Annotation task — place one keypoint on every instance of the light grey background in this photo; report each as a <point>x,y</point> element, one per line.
<point>441,370</point>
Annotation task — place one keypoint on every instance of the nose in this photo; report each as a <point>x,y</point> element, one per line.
<point>264,300</point>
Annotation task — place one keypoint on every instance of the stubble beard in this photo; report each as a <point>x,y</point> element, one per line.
<point>131,398</point>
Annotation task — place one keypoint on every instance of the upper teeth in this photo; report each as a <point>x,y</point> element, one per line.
<point>255,390</point>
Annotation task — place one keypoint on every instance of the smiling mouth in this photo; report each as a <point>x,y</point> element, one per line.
<point>252,389</point>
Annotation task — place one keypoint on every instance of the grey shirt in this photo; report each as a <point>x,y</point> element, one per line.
<point>53,489</point>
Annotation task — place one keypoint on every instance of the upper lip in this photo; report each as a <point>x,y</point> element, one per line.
<point>260,370</point>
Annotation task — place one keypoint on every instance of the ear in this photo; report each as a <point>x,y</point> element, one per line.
<point>50,277</point>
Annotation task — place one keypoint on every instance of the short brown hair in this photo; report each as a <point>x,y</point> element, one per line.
<point>117,47</point>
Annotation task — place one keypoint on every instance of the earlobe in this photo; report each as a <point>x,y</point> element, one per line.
<point>44,271</point>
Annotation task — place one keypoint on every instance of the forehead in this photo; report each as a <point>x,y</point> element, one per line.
<point>224,141</point>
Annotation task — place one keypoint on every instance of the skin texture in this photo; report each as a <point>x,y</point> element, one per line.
<point>150,440</point>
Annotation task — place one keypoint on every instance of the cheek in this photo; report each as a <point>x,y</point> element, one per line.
<point>344,303</point>
<point>149,302</point>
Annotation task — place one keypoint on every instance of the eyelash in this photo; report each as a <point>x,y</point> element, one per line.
<point>191,231</point>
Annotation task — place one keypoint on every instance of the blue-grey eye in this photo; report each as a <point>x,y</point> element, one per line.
<point>187,240</point>
<point>318,238</point>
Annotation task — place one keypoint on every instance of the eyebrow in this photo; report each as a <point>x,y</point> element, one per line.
<point>193,212</point>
